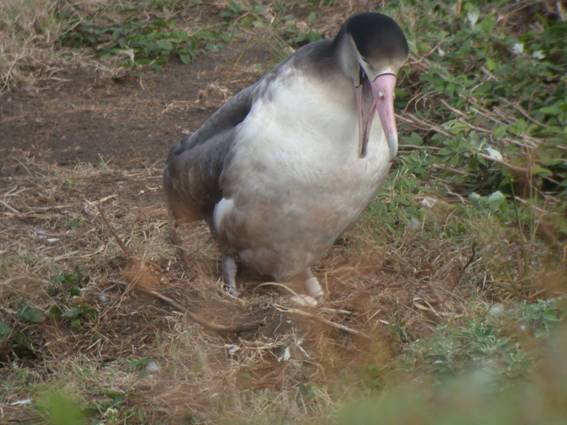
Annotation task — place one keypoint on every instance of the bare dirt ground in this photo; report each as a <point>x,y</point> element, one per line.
<point>127,120</point>
<point>90,145</point>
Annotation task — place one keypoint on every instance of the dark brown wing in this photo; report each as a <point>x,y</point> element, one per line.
<point>194,165</point>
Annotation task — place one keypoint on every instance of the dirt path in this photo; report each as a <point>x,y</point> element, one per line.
<point>88,117</point>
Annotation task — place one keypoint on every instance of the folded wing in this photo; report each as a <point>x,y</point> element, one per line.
<point>194,165</point>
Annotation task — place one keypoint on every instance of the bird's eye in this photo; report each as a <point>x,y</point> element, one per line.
<point>381,95</point>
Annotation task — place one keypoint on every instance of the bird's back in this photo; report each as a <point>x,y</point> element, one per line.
<point>194,165</point>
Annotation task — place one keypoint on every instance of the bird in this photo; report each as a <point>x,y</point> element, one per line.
<point>285,166</point>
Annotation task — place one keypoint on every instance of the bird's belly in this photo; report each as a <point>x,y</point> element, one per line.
<point>293,191</point>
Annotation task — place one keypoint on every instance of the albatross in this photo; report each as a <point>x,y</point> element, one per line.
<point>290,162</point>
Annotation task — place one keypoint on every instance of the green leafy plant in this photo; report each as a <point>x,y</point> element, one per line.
<point>31,314</point>
<point>59,407</point>
<point>5,332</point>
<point>65,288</point>
<point>541,317</point>
<point>70,282</point>
<point>143,42</point>
<point>478,345</point>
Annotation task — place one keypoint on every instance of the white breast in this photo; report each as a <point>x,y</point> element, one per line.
<point>296,179</point>
<point>304,133</point>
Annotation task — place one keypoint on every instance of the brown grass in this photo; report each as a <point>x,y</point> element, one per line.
<point>27,36</point>
<point>371,291</point>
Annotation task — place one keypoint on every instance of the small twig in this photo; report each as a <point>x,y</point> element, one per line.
<point>52,207</point>
<point>321,319</point>
<point>336,310</point>
<point>103,200</point>
<point>10,208</point>
<point>412,119</point>
<point>464,269</point>
<point>420,147</point>
<point>112,232</point>
<point>453,109</point>
<point>523,112</point>
<point>451,169</point>
<point>13,118</point>
<point>486,114</point>
<point>450,192</point>
<point>537,293</point>
<point>279,285</point>
<point>427,307</point>
<point>203,322</point>
<point>499,161</point>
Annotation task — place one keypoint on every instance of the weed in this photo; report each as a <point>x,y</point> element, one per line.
<point>139,364</point>
<point>60,407</point>
<point>478,345</point>
<point>73,223</point>
<point>142,42</point>
<point>540,317</point>
<point>471,68</point>
<point>66,288</point>
<point>297,36</point>
<point>4,332</point>
<point>31,314</point>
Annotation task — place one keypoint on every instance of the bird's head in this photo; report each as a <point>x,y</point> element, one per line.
<point>371,49</point>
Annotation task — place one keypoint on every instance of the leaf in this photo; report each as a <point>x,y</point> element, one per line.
<point>538,170</point>
<point>499,131</point>
<point>72,313</point>
<point>31,314</point>
<point>413,139</point>
<point>490,64</point>
<point>4,331</point>
<point>55,312</point>
<point>165,45</point>
<point>22,345</point>
<point>184,57</point>
<point>74,291</point>
<point>496,199</point>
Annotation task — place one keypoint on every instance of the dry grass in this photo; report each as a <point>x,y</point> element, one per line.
<point>28,32</point>
<point>30,35</point>
<point>286,364</point>
<point>52,224</point>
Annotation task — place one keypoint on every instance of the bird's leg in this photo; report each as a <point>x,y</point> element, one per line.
<point>229,270</point>
<point>312,285</point>
<point>314,290</point>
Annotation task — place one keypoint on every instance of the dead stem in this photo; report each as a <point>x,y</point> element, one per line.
<point>245,327</point>
<point>317,318</point>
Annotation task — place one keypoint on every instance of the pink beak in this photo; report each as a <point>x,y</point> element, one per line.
<point>383,102</point>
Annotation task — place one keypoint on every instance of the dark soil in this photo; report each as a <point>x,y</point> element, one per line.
<point>128,121</point>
